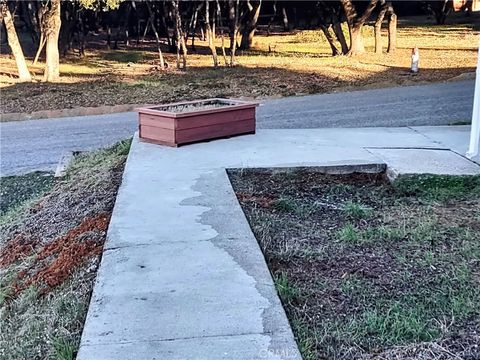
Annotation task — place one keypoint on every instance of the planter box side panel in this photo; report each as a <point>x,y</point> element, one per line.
<point>157,135</point>
<point>232,115</point>
<point>215,131</point>
<point>156,121</point>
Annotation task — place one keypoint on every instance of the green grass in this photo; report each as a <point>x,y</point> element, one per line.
<point>64,349</point>
<point>396,324</point>
<point>287,291</point>
<point>284,205</point>
<point>357,210</point>
<point>306,340</point>
<point>348,233</point>
<point>400,273</point>
<point>438,187</point>
<point>15,190</point>
<point>124,56</point>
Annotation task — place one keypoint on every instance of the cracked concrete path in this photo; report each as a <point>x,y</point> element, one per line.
<point>182,275</point>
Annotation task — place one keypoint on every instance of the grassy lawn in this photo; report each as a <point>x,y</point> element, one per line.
<point>278,65</point>
<point>16,190</point>
<point>370,270</point>
<point>51,240</point>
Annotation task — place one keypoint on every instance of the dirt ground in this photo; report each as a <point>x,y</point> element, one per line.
<point>50,248</point>
<point>370,271</point>
<point>281,64</point>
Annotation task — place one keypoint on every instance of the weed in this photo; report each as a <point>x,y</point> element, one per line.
<point>349,233</point>
<point>383,233</point>
<point>64,349</point>
<point>287,291</point>
<point>357,211</point>
<point>284,205</point>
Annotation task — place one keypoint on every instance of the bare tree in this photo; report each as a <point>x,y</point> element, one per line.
<point>23,73</point>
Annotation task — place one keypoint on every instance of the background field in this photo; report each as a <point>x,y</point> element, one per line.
<point>281,64</point>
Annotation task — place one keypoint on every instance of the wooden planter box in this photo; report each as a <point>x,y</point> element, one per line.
<point>191,121</point>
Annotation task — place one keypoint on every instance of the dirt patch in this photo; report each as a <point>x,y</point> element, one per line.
<point>49,254</point>
<point>366,270</point>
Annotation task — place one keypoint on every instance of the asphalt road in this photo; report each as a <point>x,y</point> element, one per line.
<point>38,144</point>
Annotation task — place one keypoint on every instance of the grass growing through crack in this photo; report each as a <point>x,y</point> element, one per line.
<point>373,270</point>
<point>49,254</point>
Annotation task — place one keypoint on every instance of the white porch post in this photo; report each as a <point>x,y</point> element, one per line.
<point>473,152</point>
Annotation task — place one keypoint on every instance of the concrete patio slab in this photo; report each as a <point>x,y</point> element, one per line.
<point>455,138</point>
<point>418,161</point>
<point>182,275</point>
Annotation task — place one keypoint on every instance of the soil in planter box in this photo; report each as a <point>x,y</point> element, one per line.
<point>184,108</point>
<point>367,270</point>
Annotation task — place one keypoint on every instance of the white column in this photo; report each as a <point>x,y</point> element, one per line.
<point>475,132</point>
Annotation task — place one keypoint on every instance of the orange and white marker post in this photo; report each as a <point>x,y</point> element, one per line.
<point>473,152</point>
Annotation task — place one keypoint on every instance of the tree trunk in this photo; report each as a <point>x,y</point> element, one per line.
<point>23,73</point>
<point>210,36</point>
<point>250,26</point>
<point>392,31</point>
<point>286,25</point>
<point>330,39</point>
<point>337,29</point>
<point>355,24</point>
<point>155,32</point>
<point>378,29</point>
<point>181,46</point>
<point>233,16</point>
<point>356,41</point>
<point>52,31</point>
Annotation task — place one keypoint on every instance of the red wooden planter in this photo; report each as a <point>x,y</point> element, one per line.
<point>186,122</point>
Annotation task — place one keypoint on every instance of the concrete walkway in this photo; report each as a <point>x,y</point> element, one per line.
<point>182,276</point>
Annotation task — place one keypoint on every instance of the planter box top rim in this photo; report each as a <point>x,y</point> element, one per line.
<point>230,104</point>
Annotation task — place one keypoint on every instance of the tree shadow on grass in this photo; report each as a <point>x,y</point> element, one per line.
<point>203,82</point>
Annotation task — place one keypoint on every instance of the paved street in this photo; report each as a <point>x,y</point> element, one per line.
<point>38,144</point>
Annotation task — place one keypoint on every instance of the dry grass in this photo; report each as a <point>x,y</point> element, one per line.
<point>370,271</point>
<point>279,65</point>
<point>49,253</point>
